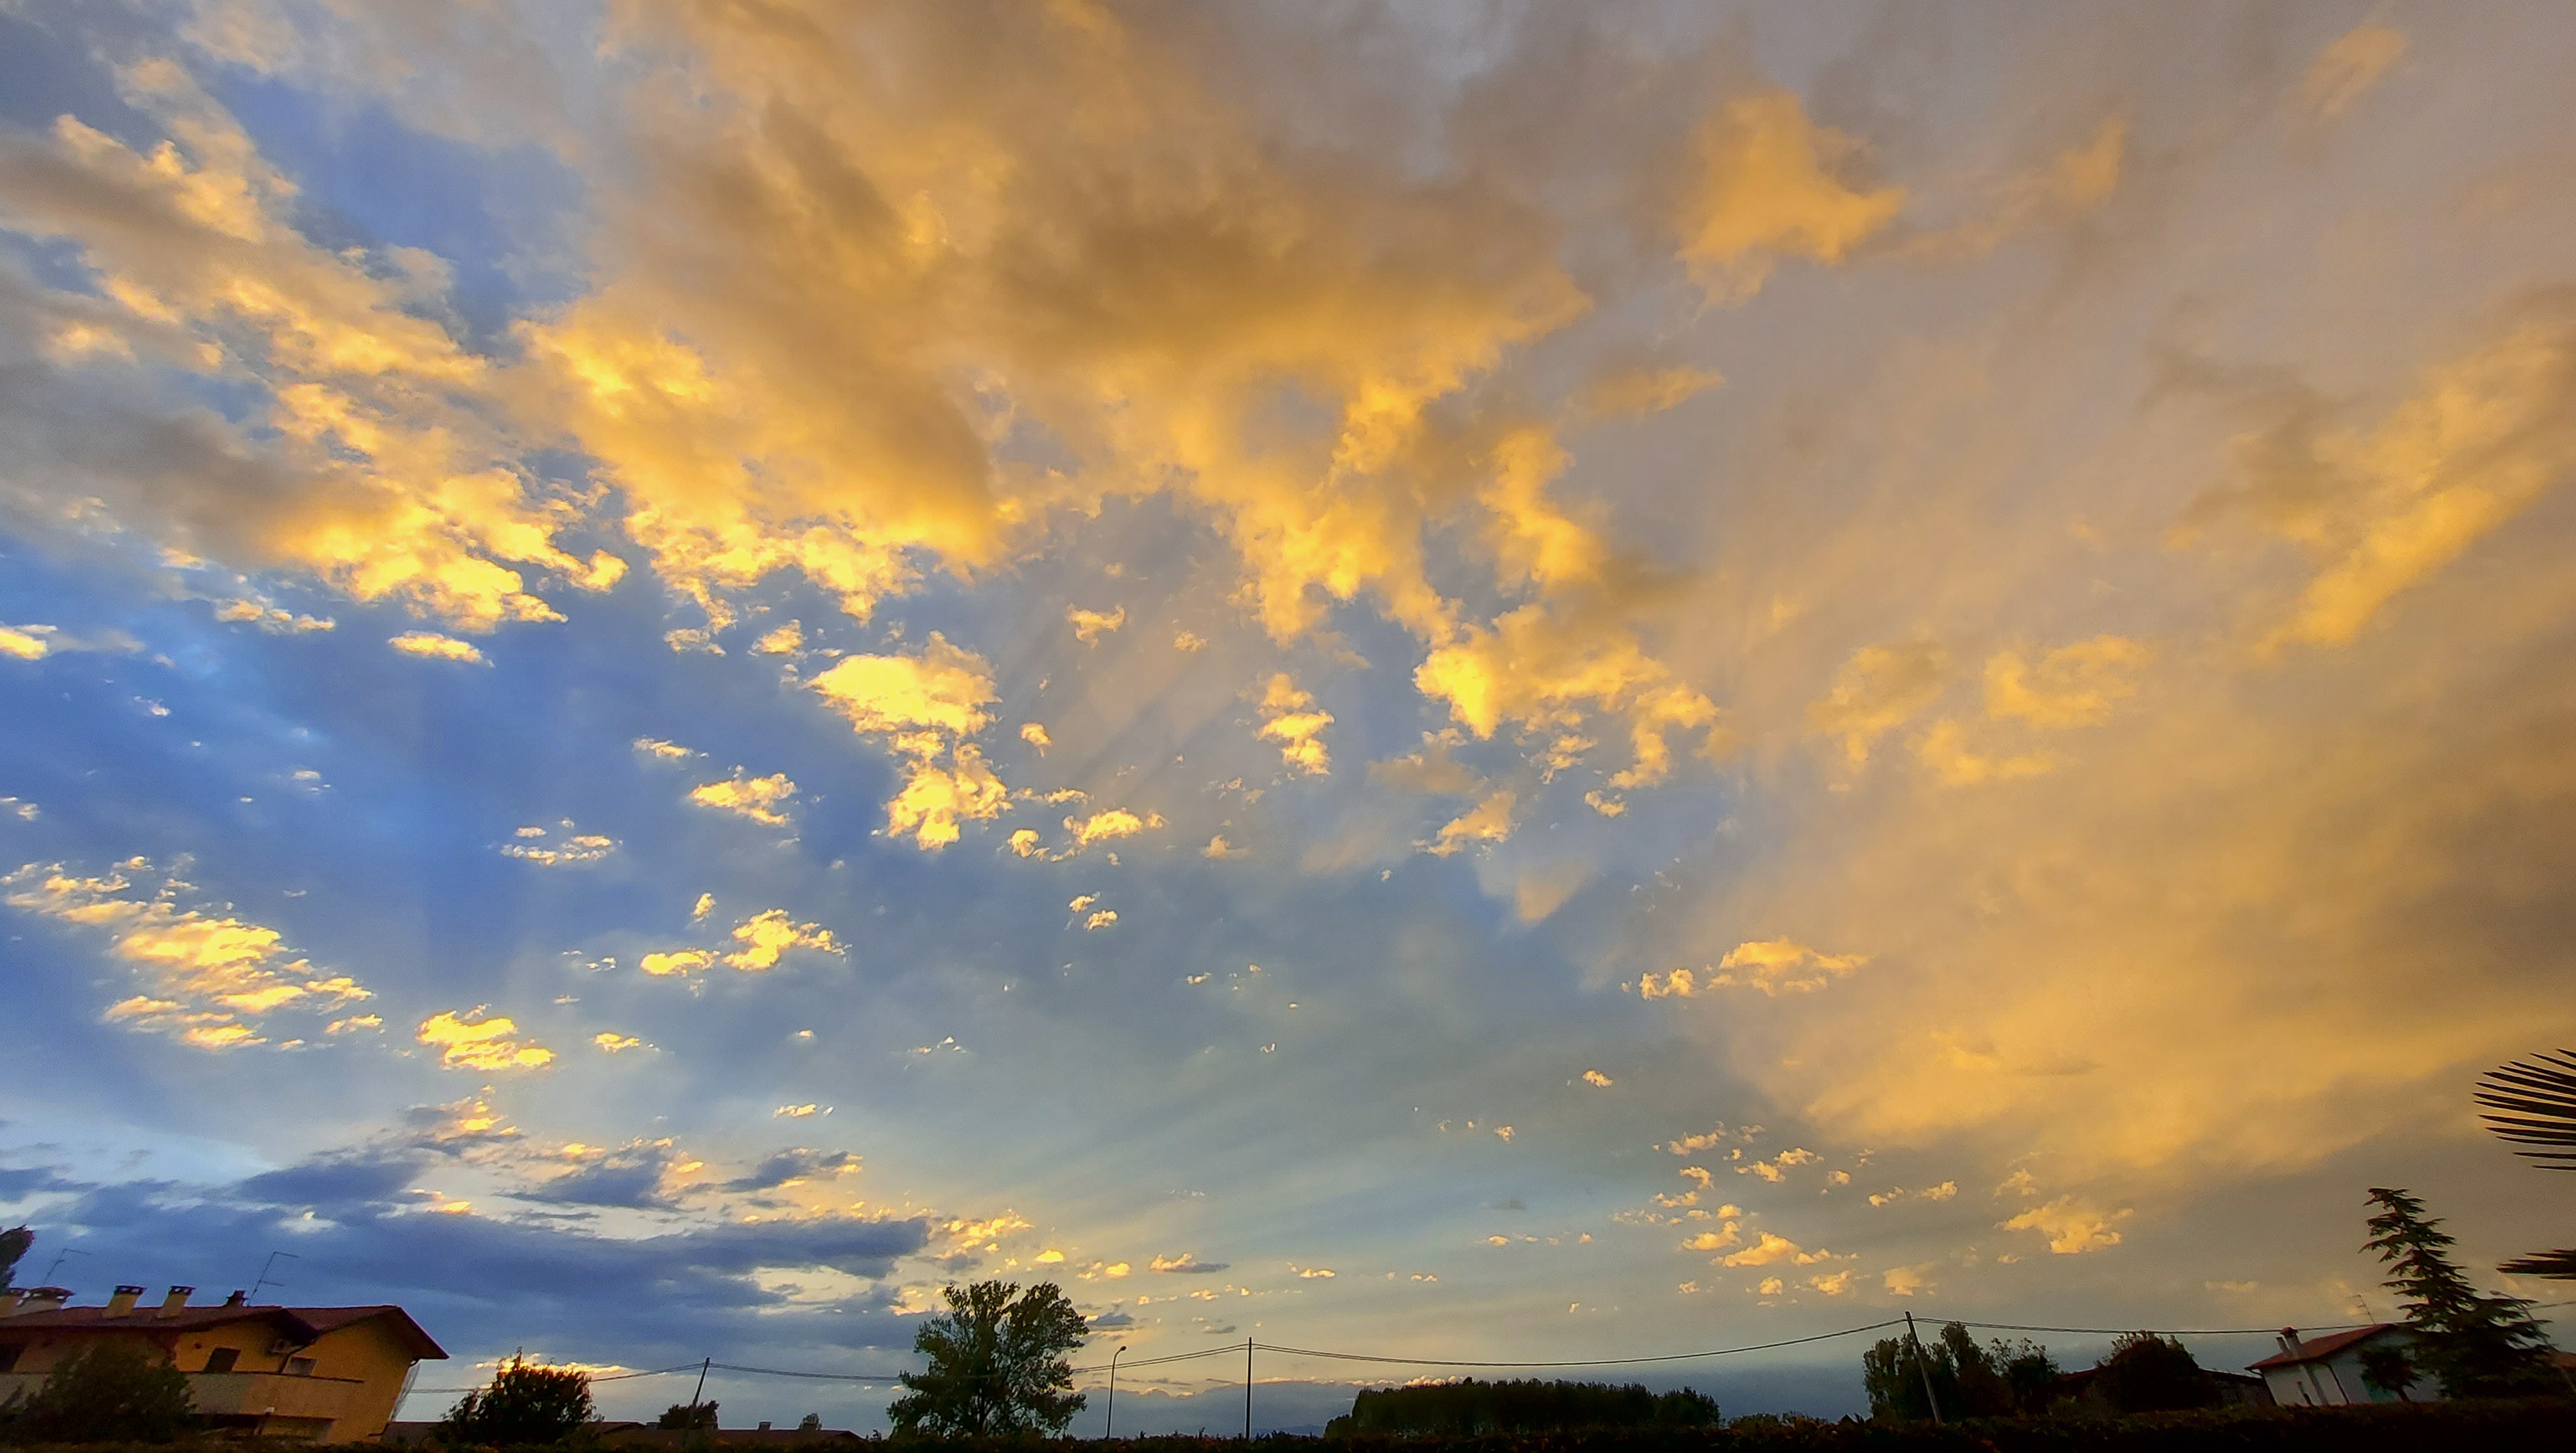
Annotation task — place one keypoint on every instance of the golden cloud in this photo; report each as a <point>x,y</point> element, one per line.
<point>757,798</point>
<point>2346,70</point>
<point>2070,686</point>
<point>1770,186</point>
<point>1875,692</point>
<point>1288,719</point>
<point>477,1040</point>
<point>203,971</point>
<point>433,646</point>
<point>2071,1226</point>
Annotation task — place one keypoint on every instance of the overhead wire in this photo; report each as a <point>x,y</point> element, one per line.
<point>1228,1348</point>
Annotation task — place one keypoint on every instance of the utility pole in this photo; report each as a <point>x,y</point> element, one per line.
<point>1109,1419</point>
<point>1924,1368</point>
<point>698,1399</point>
<point>1247,1390</point>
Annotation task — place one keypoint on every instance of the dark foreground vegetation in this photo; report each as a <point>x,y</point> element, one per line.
<point>2376,1428</point>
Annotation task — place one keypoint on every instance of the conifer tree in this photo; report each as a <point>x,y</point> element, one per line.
<point>2477,1345</point>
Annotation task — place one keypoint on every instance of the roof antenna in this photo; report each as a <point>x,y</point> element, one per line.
<point>264,1278</point>
<point>57,1262</point>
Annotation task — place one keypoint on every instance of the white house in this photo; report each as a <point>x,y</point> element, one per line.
<point>2326,1371</point>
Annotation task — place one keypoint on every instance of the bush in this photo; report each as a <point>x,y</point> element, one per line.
<point>523,1405</point>
<point>113,1389</point>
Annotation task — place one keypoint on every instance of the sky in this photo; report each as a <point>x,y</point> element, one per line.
<point>1447,680</point>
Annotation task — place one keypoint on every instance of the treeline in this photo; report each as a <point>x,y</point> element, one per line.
<point>1469,1406</point>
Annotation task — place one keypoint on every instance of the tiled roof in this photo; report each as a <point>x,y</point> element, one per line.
<point>303,1324</point>
<point>2318,1349</point>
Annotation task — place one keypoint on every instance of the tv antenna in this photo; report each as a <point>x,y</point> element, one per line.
<point>264,1278</point>
<point>57,1262</point>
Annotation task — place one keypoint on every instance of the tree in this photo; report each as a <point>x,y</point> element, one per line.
<point>996,1364</point>
<point>114,1390</point>
<point>684,1416</point>
<point>1970,1381</point>
<point>524,1404</point>
<point>13,1245</point>
<point>2533,1102</point>
<point>2146,1373</point>
<point>2386,1368</point>
<point>2030,1374</point>
<point>2479,1346</point>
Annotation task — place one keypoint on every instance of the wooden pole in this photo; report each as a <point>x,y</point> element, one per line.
<point>1924,1368</point>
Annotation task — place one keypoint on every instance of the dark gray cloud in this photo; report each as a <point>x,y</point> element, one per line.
<point>788,1165</point>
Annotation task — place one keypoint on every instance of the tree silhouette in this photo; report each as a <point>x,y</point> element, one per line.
<point>996,1364</point>
<point>2386,1366</point>
<point>2146,1373</point>
<point>524,1404</point>
<point>2479,1346</point>
<point>685,1417</point>
<point>13,1245</point>
<point>2533,1102</point>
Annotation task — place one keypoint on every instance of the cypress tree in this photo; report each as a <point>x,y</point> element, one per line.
<point>2478,1345</point>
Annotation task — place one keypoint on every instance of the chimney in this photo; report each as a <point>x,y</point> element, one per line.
<point>41,1299</point>
<point>9,1298</point>
<point>123,1302</point>
<point>236,1299</point>
<point>2291,1344</point>
<point>764,1425</point>
<point>177,1302</point>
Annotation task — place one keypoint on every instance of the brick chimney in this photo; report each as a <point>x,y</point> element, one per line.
<point>177,1301</point>
<point>123,1302</point>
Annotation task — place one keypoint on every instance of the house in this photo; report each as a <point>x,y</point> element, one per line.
<point>2326,1371</point>
<point>327,1373</point>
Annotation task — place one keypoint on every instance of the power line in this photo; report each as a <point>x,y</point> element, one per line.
<point>1585,1362</point>
<point>2163,1332</point>
<point>1394,1361</point>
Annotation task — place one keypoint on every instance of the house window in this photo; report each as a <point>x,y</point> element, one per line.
<point>222,1359</point>
<point>9,1355</point>
<point>299,1367</point>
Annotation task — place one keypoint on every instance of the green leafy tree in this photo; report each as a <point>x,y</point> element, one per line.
<point>2533,1103</point>
<point>2478,1345</point>
<point>114,1390</point>
<point>2385,1367</point>
<point>524,1404</point>
<point>13,1245</point>
<point>997,1364</point>
<point>2146,1373</point>
<point>686,1416</point>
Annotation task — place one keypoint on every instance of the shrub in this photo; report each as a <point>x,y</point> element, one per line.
<point>114,1389</point>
